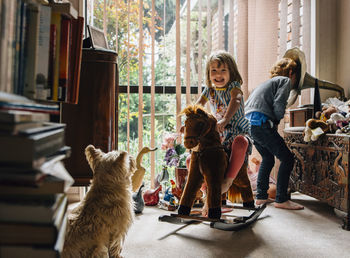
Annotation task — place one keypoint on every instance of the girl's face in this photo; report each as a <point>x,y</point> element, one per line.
<point>219,75</point>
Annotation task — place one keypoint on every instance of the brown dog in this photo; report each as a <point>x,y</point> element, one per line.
<point>98,226</point>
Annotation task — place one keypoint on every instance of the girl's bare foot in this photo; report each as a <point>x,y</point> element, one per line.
<point>262,201</point>
<point>288,205</point>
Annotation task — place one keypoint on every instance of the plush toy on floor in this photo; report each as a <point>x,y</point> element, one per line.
<point>208,163</point>
<point>98,226</point>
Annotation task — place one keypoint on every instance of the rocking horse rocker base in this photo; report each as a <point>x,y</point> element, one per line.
<point>235,224</point>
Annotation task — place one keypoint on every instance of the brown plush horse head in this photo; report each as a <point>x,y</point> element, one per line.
<point>208,160</point>
<point>200,128</point>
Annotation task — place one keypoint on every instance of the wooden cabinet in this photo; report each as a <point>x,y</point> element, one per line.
<point>93,119</point>
<point>321,169</point>
<point>299,116</point>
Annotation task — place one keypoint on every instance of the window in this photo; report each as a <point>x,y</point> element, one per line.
<point>162,52</point>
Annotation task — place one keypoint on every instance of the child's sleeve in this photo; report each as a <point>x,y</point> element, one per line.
<point>205,93</point>
<point>235,85</point>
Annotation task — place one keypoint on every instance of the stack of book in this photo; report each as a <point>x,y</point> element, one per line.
<point>33,185</point>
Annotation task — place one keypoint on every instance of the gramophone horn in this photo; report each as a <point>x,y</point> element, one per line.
<point>305,80</point>
<point>299,57</point>
<point>309,82</point>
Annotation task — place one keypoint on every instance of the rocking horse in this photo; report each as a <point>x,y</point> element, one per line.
<point>208,163</point>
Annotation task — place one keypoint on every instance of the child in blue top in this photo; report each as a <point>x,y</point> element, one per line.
<point>225,97</point>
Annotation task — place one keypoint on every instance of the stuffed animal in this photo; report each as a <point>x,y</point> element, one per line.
<point>337,122</point>
<point>201,137</point>
<point>208,164</point>
<point>327,112</point>
<point>314,128</point>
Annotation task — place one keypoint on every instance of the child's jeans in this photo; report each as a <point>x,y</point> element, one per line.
<point>269,144</point>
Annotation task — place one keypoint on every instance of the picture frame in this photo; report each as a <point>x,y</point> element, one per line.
<point>98,38</point>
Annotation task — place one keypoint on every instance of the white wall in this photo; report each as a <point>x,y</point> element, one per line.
<point>332,51</point>
<point>343,46</point>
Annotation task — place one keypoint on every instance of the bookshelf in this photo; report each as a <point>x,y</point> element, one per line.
<point>40,64</point>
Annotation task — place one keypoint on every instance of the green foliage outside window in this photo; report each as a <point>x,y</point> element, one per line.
<point>165,65</point>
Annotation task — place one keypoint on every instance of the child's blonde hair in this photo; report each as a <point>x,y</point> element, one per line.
<point>222,57</point>
<point>282,67</point>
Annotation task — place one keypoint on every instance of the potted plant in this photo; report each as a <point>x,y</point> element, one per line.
<point>175,156</point>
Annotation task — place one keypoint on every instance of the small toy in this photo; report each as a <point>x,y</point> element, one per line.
<point>151,196</point>
<point>167,195</point>
<point>137,177</point>
<point>139,203</point>
<point>176,191</point>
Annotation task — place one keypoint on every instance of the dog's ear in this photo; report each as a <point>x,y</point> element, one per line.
<point>92,155</point>
<point>132,164</point>
<point>127,162</point>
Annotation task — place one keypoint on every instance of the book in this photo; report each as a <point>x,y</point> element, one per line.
<point>64,58</point>
<point>37,164</point>
<point>32,234</point>
<point>50,185</point>
<point>14,98</point>
<point>15,102</point>
<point>65,8</point>
<point>31,50</point>
<point>47,198</point>
<point>23,150</point>
<point>15,128</point>
<point>33,107</point>
<point>11,22</point>
<point>35,251</point>
<point>36,212</point>
<point>22,42</point>
<point>17,116</point>
<point>16,44</point>
<point>75,60</point>
<point>7,28</point>
<point>29,178</point>
<point>56,21</point>
<point>23,251</point>
<point>43,53</point>
<point>57,180</point>
<point>52,58</point>
<point>14,175</point>
<point>44,127</point>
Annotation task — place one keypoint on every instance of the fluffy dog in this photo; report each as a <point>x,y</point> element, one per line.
<point>98,226</point>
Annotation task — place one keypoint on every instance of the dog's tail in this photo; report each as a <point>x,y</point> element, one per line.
<point>137,177</point>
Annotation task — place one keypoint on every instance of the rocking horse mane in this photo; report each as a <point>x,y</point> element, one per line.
<point>196,111</point>
<point>197,114</point>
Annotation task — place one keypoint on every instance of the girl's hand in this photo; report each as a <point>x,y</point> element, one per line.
<point>222,124</point>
